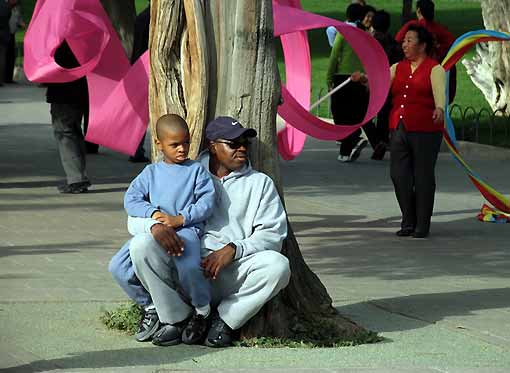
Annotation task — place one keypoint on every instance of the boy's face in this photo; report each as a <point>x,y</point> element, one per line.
<point>174,144</point>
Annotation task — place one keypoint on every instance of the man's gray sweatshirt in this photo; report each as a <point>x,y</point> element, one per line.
<point>247,212</point>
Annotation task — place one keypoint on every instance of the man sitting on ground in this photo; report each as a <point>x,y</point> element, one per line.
<point>240,247</point>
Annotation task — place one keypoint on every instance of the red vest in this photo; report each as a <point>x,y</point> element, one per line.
<point>413,100</point>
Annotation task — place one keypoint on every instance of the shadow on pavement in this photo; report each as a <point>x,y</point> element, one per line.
<point>422,309</point>
<point>129,357</point>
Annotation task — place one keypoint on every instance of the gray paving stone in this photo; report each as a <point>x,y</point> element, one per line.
<point>442,304</point>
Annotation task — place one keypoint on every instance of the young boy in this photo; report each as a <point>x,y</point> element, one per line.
<point>177,192</point>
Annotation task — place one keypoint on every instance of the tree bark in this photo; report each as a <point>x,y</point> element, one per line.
<point>407,10</point>
<point>122,14</point>
<point>489,69</point>
<point>227,51</point>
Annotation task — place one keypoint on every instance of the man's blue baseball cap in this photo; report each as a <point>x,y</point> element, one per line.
<point>227,128</point>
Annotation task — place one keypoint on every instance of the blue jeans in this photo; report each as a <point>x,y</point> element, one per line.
<point>121,268</point>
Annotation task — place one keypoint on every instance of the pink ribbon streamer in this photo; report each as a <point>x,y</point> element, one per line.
<point>117,92</point>
<point>290,22</point>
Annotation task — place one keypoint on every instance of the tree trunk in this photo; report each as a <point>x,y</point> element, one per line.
<point>407,10</point>
<point>225,54</point>
<point>122,13</point>
<point>489,69</point>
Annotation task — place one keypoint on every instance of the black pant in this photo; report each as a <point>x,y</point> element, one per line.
<point>413,159</point>
<point>348,107</point>
<point>10,60</point>
<point>383,122</point>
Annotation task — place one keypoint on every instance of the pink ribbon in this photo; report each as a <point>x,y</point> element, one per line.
<point>117,92</point>
<point>290,23</point>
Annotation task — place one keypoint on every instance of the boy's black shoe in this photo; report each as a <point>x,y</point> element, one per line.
<point>220,334</point>
<point>149,324</point>
<point>74,188</point>
<point>195,331</point>
<point>405,232</point>
<point>168,334</point>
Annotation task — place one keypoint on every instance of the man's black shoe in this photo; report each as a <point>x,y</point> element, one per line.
<point>168,334</point>
<point>405,232</point>
<point>149,324</point>
<point>74,188</point>
<point>195,331</point>
<point>220,334</point>
<point>420,234</point>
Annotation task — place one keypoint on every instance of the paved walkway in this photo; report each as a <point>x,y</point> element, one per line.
<point>443,304</point>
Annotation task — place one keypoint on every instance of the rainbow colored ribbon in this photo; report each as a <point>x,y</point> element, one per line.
<point>456,52</point>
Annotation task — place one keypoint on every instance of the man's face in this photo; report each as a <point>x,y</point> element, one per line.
<point>231,154</point>
<point>174,144</point>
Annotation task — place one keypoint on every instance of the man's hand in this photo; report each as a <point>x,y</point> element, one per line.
<point>217,260</point>
<point>169,220</point>
<point>168,239</point>
<point>438,116</point>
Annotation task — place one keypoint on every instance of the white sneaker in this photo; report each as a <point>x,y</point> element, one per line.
<point>344,158</point>
<point>356,152</point>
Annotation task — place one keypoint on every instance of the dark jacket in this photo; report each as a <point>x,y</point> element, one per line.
<point>75,92</point>
<point>141,34</point>
<point>5,15</point>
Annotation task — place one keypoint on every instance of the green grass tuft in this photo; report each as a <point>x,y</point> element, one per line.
<point>124,318</point>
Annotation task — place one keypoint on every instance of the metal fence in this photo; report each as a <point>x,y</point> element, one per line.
<point>482,126</point>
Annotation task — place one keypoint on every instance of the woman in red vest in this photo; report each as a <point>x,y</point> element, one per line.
<point>416,124</point>
<point>416,130</point>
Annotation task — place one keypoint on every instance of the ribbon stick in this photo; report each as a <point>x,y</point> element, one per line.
<point>330,93</point>
<point>456,52</point>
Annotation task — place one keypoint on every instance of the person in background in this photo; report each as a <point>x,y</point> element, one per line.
<point>367,19</point>
<point>68,105</point>
<point>442,38</point>
<point>15,23</point>
<point>349,104</point>
<point>416,130</point>
<point>331,30</point>
<point>5,35</point>
<point>381,22</point>
<point>140,46</point>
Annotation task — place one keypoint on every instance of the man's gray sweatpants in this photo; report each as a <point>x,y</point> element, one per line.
<point>239,292</point>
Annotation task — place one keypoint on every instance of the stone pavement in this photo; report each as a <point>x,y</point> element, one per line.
<point>442,304</point>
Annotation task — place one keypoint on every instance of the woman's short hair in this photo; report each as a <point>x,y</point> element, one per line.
<point>424,36</point>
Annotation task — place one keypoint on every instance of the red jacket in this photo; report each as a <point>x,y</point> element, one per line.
<point>413,99</point>
<point>442,37</point>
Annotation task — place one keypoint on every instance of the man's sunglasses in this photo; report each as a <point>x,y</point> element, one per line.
<point>235,144</point>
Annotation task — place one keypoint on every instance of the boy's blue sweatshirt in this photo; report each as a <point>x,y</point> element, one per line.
<point>175,189</point>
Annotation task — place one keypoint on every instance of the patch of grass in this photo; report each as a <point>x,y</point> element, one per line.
<point>124,318</point>
<point>319,333</point>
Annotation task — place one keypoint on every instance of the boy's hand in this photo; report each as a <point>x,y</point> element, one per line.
<point>168,239</point>
<point>217,260</point>
<point>169,220</point>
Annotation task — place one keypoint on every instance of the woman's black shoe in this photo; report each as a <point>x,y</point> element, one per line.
<point>405,232</point>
